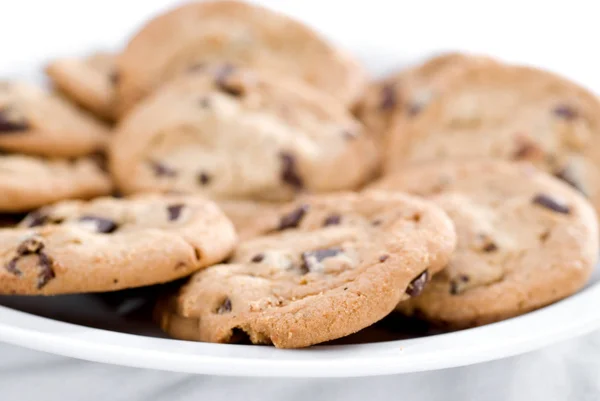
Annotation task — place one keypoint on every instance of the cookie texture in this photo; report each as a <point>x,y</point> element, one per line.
<point>404,94</point>
<point>525,240</point>
<point>110,244</point>
<point>237,33</point>
<point>37,122</point>
<point>230,133</point>
<point>331,266</point>
<point>89,82</point>
<point>508,112</point>
<point>28,182</point>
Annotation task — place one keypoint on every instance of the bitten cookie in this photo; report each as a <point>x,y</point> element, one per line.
<point>235,134</point>
<point>237,33</point>
<point>28,182</point>
<point>508,112</point>
<point>110,244</point>
<point>89,82</point>
<point>525,240</point>
<point>404,94</point>
<point>333,265</point>
<point>36,122</point>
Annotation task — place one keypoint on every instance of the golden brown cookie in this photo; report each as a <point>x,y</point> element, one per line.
<point>36,122</point>
<point>89,82</point>
<point>525,240</point>
<point>513,113</point>
<point>110,244</point>
<point>230,133</point>
<point>405,93</point>
<point>28,182</point>
<point>237,33</point>
<point>333,265</point>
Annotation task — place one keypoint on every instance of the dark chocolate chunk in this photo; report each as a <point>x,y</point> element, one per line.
<point>567,175</point>
<point>174,211</point>
<point>259,257</point>
<point>293,219</point>
<point>204,178</point>
<point>289,173</point>
<point>161,170</point>
<point>46,271</point>
<point>225,307</point>
<point>490,247</point>
<point>36,219</point>
<point>416,286</point>
<point>550,203</point>
<point>8,125</point>
<point>311,258</point>
<point>388,97</point>
<point>565,111</point>
<point>223,83</point>
<point>29,246</point>
<point>33,246</point>
<point>332,220</point>
<point>104,226</point>
<point>383,258</point>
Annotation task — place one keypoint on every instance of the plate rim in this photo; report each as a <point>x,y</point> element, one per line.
<point>546,326</point>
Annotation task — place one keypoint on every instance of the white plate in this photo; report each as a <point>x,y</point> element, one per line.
<point>115,328</point>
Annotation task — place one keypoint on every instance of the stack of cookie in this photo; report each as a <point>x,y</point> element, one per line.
<point>244,148</point>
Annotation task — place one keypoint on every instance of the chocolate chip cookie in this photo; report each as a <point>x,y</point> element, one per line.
<point>525,240</point>
<point>28,182</point>
<point>36,122</point>
<point>404,94</point>
<point>236,134</point>
<point>238,33</point>
<point>110,244</point>
<point>89,82</point>
<point>508,112</point>
<point>332,265</point>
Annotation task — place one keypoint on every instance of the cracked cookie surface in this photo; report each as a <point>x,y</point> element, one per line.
<point>525,240</point>
<point>332,265</point>
<point>36,122</point>
<point>89,81</point>
<point>238,33</point>
<point>109,244</point>
<point>230,133</point>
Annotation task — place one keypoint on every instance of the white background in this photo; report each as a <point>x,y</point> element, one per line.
<point>561,36</point>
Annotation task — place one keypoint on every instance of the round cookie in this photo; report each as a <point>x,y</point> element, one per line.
<point>235,134</point>
<point>405,93</point>
<point>89,82</point>
<point>109,244</point>
<point>238,33</point>
<point>332,265</point>
<point>28,182</point>
<point>508,112</point>
<point>36,122</point>
<point>525,240</point>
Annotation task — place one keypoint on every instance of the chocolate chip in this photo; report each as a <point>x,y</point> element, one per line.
<point>33,246</point>
<point>289,173</point>
<point>565,111</point>
<point>36,219</point>
<point>46,271</point>
<point>310,259</point>
<point>383,258</point>
<point>490,247</point>
<point>204,178</point>
<point>161,170</point>
<point>259,257</point>
<point>416,286</point>
<point>293,219</point>
<point>550,203</point>
<point>174,211</point>
<point>114,77</point>
<point>388,97</point>
<point>567,175</point>
<point>456,285</point>
<point>104,226</point>
<point>29,246</point>
<point>225,307</point>
<point>332,220</point>
<point>222,81</point>
<point>9,125</point>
